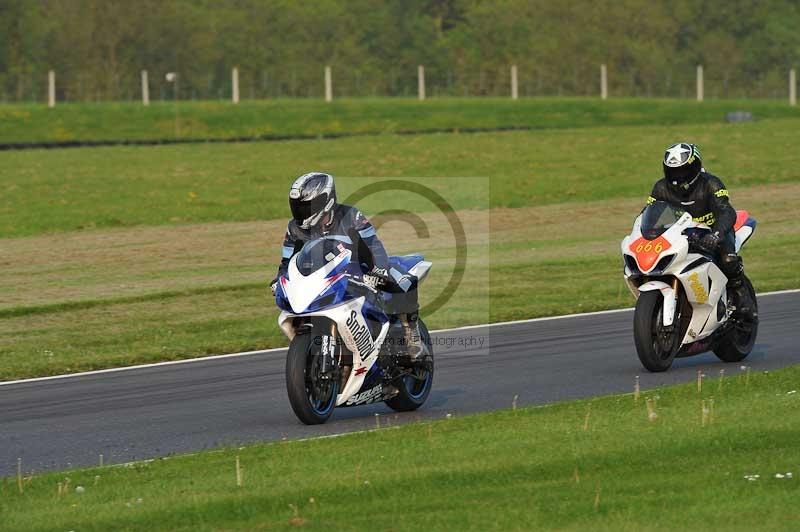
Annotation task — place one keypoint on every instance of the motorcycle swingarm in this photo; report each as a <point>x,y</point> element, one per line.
<point>706,344</point>
<point>400,373</point>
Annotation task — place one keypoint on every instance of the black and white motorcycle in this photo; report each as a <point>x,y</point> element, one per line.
<point>682,298</point>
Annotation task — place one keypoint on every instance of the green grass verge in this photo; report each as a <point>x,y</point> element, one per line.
<point>281,118</point>
<point>68,190</point>
<point>598,464</point>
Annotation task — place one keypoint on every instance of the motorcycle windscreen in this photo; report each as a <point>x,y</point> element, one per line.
<point>318,253</point>
<point>657,218</point>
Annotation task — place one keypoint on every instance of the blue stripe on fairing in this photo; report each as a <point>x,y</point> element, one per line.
<point>368,232</point>
<point>287,252</point>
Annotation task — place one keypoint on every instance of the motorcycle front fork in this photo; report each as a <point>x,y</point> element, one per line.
<point>328,350</point>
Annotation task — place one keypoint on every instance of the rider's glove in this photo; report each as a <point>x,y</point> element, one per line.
<point>711,241</point>
<point>371,281</point>
<point>377,277</point>
<point>381,273</point>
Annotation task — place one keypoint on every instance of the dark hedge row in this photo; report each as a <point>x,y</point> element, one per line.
<point>651,47</point>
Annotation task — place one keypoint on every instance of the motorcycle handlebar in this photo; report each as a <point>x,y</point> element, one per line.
<point>695,237</point>
<point>361,282</point>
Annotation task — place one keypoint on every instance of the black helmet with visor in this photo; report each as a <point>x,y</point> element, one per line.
<point>682,166</point>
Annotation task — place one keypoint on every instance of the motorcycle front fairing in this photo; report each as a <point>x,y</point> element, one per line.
<point>650,263</point>
<point>644,258</point>
<point>354,330</point>
<point>320,287</point>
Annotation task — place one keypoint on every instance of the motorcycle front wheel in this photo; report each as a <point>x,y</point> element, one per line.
<point>311,394</point>
<point>654,345</point>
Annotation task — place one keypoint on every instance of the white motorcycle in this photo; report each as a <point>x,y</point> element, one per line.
<point>345,350</point>
<point>682,298</point>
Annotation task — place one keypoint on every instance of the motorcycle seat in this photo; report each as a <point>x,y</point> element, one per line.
<point>743,228</point>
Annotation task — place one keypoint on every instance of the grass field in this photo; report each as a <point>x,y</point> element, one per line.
<point>600,464</point>
<point>114,256</point>
<point>67,190</point>
<point>282,118</point>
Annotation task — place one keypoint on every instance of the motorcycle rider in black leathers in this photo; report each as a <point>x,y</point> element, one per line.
<point>688,186</point>
<point>315,212</point>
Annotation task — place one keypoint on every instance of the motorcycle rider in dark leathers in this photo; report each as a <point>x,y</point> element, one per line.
<point>316,213</point>
<point>688,186</point>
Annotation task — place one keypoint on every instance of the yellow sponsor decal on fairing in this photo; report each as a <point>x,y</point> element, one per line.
<point>723,192</point>
<point>700,294</point>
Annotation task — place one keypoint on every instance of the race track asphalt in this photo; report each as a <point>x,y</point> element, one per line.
<point>157,411</point>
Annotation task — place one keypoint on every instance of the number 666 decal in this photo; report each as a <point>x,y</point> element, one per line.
<point>648,246</point>
<point>648,251</point>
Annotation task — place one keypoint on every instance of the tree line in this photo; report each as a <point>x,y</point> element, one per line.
<point>98,47</point>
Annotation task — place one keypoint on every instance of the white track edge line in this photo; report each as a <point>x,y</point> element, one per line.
<point>274,349</point>
<point>143,366</point>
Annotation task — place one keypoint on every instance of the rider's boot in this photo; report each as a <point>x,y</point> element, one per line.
<point>738,292</point>
<point>740,297</point>
<point>413,338</point>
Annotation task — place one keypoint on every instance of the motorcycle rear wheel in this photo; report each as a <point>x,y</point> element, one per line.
<point>413,390</point>
<point>312,397</point>
<point>737,343</point>
<point>648,326</point>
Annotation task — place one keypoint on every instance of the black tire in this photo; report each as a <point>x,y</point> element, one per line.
<point>653,355</point>
<point>738,342</point>
<point>312,398</point>
<point>413,392</point>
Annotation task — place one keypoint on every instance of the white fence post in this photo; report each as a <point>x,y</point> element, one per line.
<point>328,85</point>
<point>421,82</point>
<point>792,87</point>
<point>603,82</point>
<point>700,83</point>
<point>514,86</point>
<point>51,89</point>
<point>235,85</point>
<point>145,89</point>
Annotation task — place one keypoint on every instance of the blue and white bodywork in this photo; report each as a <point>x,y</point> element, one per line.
<point>324,280</point>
